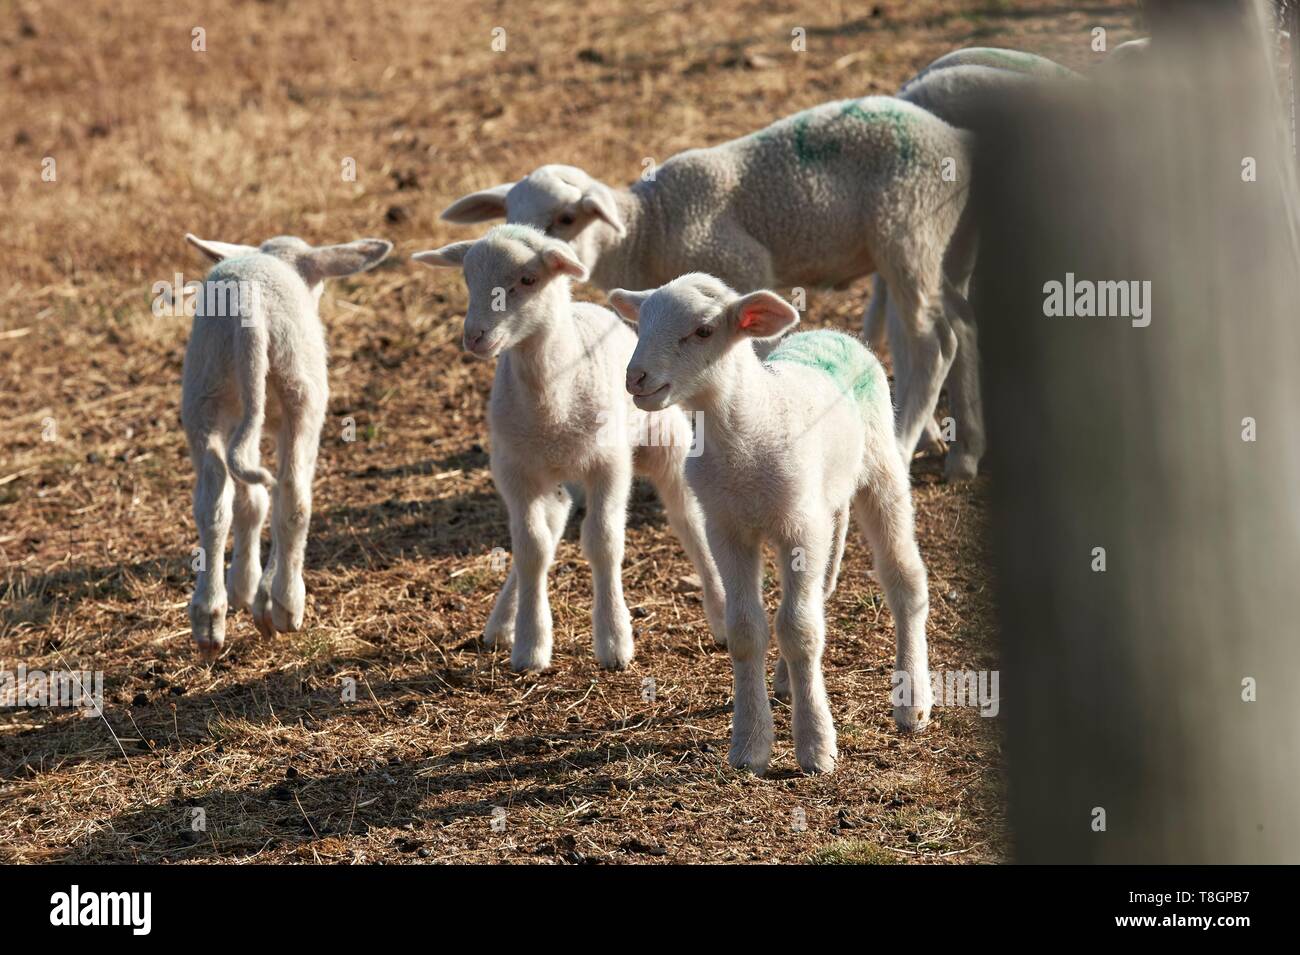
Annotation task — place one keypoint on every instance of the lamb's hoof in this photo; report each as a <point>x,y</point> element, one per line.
<point>242,592</point>
<point>208,629</point>
<point>286,619</point>
<point>960,467</point>
<point>526,660</point>
<point>614,654</point>
<point>752,752</point>
<point>262,615</point>
<point>912,719</point>
<point>931,446</point>
<point>498,639</point>
<point>746,761</point>
<point>816,759</point>
<point>717,617</point>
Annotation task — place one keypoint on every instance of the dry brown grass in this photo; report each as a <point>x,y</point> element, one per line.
<point>246,141</point>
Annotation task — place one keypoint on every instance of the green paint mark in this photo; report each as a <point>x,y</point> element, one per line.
<point>814,137</point>
<point>804,148</point>
<point>852,368</point>
<point>894,117</point>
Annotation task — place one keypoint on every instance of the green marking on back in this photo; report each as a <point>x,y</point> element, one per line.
<point>848,363</point>
<point>892,115</point>
<point>816,137</point>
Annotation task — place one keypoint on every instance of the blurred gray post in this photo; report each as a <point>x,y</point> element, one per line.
<point>1129,691</point>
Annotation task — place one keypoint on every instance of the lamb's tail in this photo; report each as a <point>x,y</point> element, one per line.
<point>252,361</point>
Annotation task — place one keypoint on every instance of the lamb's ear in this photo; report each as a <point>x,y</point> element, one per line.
<point>602,207</point>
<point>217,251</point>
<point>449,256</point>
<point>479,206</point>
<point>762,314</point>
<point>560,258</point>
<point>331,261</point>
<point>628,304</point>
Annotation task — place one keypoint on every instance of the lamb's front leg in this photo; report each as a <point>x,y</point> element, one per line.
<point>500,629</point>
<point>741,565</point>
<point>801,635</point>
<point>602,542</point>
<point>533,547</point>
<point>925,345</point>
<point>686,518</point>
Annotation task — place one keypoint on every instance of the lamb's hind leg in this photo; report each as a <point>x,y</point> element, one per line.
<point>873,320</point>
<point>964,390</point>
<point>500,629</point>
<point>251,505</point>
<point>668,474</point>
<point>298,444</point>
<point>884,511</point>
<point>213,496</point>
<point>781,679</point>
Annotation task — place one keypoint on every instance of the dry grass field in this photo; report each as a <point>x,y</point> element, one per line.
<point>246,140</point>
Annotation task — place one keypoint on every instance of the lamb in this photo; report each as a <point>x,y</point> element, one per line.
<point>257,354</point>
<point>820,198</point>
<point>559,413</point>
<point>792,445</point>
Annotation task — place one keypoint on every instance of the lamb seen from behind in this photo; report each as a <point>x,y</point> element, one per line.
<point>793,444</point>
<point>559,413</point>
<point>256,354</point>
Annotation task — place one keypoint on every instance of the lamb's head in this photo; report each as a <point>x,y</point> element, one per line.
<point>685,331</point>
<point>518,281</point>
<point>313,263</point>
<point>561,201</point>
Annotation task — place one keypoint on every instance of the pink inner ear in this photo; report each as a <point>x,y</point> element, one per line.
<point>750,316</point>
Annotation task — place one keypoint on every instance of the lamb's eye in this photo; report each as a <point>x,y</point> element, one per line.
<point>704,331</point>
<point>566,219</point>
<point>528,280</point>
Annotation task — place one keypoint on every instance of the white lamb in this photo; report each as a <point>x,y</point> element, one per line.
<point>791,444</point>
<point>559,413</point>
<point>257,353</point>
<point>817,199</point>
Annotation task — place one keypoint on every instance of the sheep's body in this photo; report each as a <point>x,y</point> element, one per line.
<point>793,444</point>
<point>819,198</point>
<point>559,414</point>
<point>257,354</point>
<point>997,58</point>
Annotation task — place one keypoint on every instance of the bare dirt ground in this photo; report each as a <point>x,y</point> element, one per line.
<point>151,139</point>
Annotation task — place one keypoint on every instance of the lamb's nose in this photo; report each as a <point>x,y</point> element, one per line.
<point>475,338</point>
<point>634,378</point>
